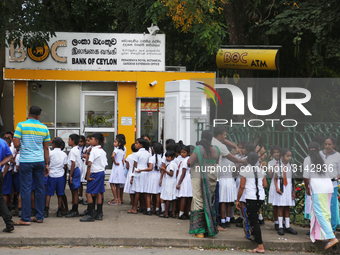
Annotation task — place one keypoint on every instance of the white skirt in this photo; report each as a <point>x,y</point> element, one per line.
<point>128,186</point>
<point>117,174</point>
<point>83,173</point>
<point>308,205</point>
<point>227,190</point>
<point>140,182</point>
<point>286,198</point>
<point>185,190</point>
<point>153,182</point>
<point>272,191</point>
<point>238,182</point>
<point>168,192</point>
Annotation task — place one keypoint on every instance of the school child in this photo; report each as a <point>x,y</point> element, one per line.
<point>252,185</point>
<point>168,183</point>
<point>95,178</point>
<point>285,189</point>
<point>81,148</point>
<point>84,157</point>
<point>139,178</point>
<point>184,186</point>
<point>7,179</point>
<point>155,163</point>
<point>117,173</point>
<point>121,186</point>
<point>248,147</point>
<point>129,161</point>
<point>227,191</point>
<point>147,137</point>
<point>178,160</point>
<point>275,153</point>
<point>16,183</point>
<point>73,163</point>
<point>56,179</point>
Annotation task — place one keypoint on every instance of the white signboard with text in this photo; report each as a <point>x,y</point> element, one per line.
<point>92,51</point>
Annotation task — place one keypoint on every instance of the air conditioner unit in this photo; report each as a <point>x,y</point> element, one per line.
<point>176,68</point>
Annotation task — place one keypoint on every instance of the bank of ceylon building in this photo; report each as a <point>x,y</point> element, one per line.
<point>86,82</point>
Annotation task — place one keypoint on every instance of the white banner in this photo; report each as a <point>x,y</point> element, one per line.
<point>92,51</point>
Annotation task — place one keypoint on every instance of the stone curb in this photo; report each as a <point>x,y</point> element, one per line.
<point>162,242</point>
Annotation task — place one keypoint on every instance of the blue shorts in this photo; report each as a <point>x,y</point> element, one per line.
<point>55,185</point>
<point>75,179</point>
<point>45,180</point>
<point>7,187</point>
<point>16,182</point>
<point>96,186</point>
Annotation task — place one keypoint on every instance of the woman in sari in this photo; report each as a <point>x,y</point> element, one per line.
<point>318,183</point>
<point>203,162</point>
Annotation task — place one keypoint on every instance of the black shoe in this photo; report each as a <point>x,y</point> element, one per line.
<point>238,220</point>
<point>45,214</point>
<point>84,203</point>
<point>227,224</point>
<point>8,229</point>
<point>140,210</point>
<point>149,213</point>
<point>157,213</point>
<point>261,222</point>
<point>83,213</point>
<point>276,226</point>
<point>223,225</point>
<point>80,201</point>
<point>281,231</point>
<point>182,217</point>
<point>19,213</point>
<point>99,216</point>
<point>87,218</point>
<point>72,214</point>
<point>232,220</point>
<point>59,214</point>
<point>308,233</point>
<point>290,231</point>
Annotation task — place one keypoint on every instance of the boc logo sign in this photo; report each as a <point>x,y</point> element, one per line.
<point>38,53</point>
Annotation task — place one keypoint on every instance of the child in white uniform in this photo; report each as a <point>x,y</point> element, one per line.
<point>275,153</point>
<point>227,190</point>
<point>168,192</point>
<point>129,161</point>
<point>117,173</point>
<point>155,163</point>
<point>139,178</point>
<point>285,188</point>
<point>73,163</point>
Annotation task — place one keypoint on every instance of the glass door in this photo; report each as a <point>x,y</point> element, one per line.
<point>99,114</point>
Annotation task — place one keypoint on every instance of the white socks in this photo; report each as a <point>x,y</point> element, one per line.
<point>241,214</point>
<point>157,209</point>
<point>232,211</point>
<point>163,207</point>
<point>260,216</point>
<point>281,222</point>
<point>228,219</point>
<point>148,209</point>
<point>222,220</point>
<point>180,213</point>
<point>287,222</point>
<point>276,222</point>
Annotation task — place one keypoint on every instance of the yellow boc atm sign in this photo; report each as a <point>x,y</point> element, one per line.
<point>253,59</point>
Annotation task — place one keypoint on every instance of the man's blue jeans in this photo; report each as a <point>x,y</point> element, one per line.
<point>27,172</point>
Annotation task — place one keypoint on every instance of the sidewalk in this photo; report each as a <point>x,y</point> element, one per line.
<point>121,229</point>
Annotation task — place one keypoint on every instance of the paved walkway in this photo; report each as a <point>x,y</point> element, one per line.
<point>121,229</point>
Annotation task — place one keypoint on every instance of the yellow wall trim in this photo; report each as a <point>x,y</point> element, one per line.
<point>20,102</point>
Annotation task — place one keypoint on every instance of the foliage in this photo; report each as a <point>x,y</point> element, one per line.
<point>24,19</point>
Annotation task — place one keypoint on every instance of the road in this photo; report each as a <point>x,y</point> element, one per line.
<point>102,250</point>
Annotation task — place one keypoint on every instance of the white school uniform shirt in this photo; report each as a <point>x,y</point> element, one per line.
<point>333,162</point>
<point>250,187</point>
<point>74,155</point>
<point>142,158</point>
<point>131,160</point>
<point>13,150</point>
<point>16,162</point>
<point>98,159</point>
<point>271,164</point>
<point>320,183</point>
<point>58,159</point>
